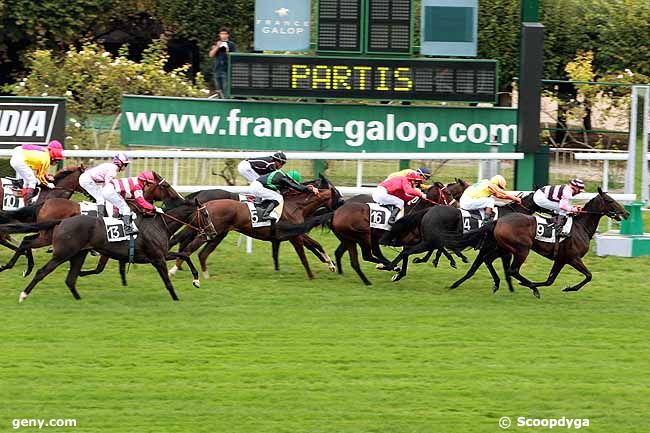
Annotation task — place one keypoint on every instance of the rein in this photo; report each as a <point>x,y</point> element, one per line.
<point>201,222</point>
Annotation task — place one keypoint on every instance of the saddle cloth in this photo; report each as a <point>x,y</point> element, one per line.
<point>473,219</point>
<point>115,229</point>
<point>379,216</point>
<point>546,230</point>
<point>12,195</point>
<point>255,210</point>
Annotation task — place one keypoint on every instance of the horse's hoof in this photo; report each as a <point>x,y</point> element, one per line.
<point>465,260</point>
<point>331,266</point>
<point>206,274</point>
<point>25,273</point>
<point>196,283</point>
<point>172,271</point>
<point>397,269</point>
<point>568,289</point>
<point>22,297</point>
<point>495,289</point>
<point>536,293</point>
<point>396,278</point>
<point>380,267</point>
<point>453,265</point>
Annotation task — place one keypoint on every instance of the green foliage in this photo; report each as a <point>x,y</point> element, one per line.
<point>93,81</point>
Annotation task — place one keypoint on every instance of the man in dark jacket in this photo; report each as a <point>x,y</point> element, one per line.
<point>253,168</point>
<point>270,188</point>
<point>221,52</point>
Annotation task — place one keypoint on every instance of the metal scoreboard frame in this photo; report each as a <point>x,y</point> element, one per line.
<point>368,27</point>
<point>361,26</point>
<point>362,78</point>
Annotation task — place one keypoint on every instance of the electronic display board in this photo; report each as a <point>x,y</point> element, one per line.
<point>363,78</point>
<point>339,25</point>
<point>389,26</point>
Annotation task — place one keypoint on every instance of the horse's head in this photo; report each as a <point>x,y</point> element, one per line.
<point>161,190</point>
<point>606,205</point>
<point>336,199</point>
<point>455,189</point>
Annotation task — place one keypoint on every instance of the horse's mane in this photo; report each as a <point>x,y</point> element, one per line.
<point>67,171</point>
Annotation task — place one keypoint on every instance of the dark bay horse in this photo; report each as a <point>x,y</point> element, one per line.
<point>351,225</point>
<point>62,208</point>
<point>514,234</point>
<point>232,215</point>
<point>297,212</point>
<point>74,237</point>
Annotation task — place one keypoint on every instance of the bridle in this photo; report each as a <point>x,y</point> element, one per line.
<point>202,227</point>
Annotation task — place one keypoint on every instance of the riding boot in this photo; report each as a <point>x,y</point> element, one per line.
<point>560,221</point>
<point>128,229</point>
<point>489,215</point>
<point>28,194</point>
<point>394,211</point>
<point>100,211</point>
<point>266,210</point>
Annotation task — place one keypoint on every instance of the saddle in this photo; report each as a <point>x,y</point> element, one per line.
<point>256,208</point>
<point>473,219</point>
<point>546,230</point>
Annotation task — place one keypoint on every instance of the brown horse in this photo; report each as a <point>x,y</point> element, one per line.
<point>62,208</point>
<point>232,215</point>
<point>185,236</point>
<point>66,182</point>
<point>514,234</point>
<point>351,225</point>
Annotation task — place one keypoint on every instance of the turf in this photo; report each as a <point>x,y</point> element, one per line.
<point>255,350</point>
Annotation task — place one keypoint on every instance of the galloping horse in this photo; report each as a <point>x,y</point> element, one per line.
<point>296,212</point>
<point>351,225</point>
<point>228,215</point>
<point>515,234</point>
<point>62,208</point>
<point>185,236</point>
<point>74,237</point>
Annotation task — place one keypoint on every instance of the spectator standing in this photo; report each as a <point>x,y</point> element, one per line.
<point>220,51</point>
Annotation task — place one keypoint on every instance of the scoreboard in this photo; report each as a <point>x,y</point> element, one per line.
<point>363,78</point>
<point>339,25</point>
<point>389,26</point>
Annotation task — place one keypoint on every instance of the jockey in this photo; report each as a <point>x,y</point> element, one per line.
<point>557,200</point>
<point>117,190</point>
<point>394,191</point>
<point>481,195</point>
<point>422,171</point>
<point>270,187</point>
<point>31,163</point>
<point>253,168</point>
<point>93,179</point>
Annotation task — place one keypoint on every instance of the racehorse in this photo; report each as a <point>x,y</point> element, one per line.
<point>515,234</point>
<point>66,182</point>
<point>74,237</point>
<point>296,212</point>
<point>62,208</point>
<point>441,227</point>
<point>351,225</point>
<point>184,237</point>
<point>228,215</point>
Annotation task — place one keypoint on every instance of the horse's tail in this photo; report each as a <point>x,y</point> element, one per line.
<point>28,228</point>
<point>470,238</point>
<point>24,214</point>
<point>181,237</point>
<point>403,226</point>
<point>287,230</point>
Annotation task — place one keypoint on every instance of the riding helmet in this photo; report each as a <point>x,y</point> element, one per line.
<point>121,159</point>
<point>295,175</point>
<point>146,177</point>
<point>498,180</point>
<point>577,184</point>
<point>280,156</point>
<point>56,150</point>
<point>424,172</point>
<point>414,176</point>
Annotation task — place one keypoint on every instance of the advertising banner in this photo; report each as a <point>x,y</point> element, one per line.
<point>282,25</point>
<point>255,125</point>
<point>31,120</point>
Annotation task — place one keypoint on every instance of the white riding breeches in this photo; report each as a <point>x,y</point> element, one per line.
<point>86,182</point>
<point>23,171</point>
<point>468,203</point>
<point>247,171</point>
<point>115,199</point>
<point>263,193</point>
<point>542,201</point>
<point>380,195</point>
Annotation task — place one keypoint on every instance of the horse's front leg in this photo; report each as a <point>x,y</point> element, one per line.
<point>579,266</point>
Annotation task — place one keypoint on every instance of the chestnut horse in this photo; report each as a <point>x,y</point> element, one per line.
<point>229,215</point>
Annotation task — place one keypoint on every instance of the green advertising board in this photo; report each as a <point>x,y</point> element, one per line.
<point>256,125</point>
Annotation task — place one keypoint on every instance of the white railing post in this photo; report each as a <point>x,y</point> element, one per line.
<point>359,182</point>
<point>175,172</point>
<point>605,175</point>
